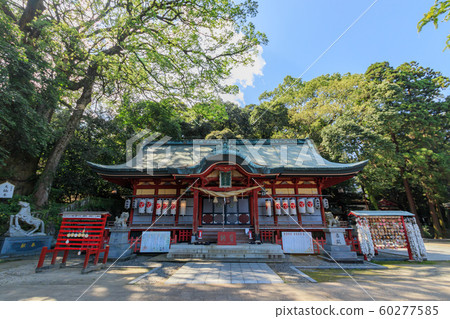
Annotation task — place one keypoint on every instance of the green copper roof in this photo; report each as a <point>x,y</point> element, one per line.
<point>285,157</point>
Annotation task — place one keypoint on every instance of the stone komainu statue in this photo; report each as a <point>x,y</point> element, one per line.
<point>121,222</point>
<point>331,221</point>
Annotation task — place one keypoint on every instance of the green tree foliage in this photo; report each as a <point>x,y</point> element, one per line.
<point>440,10</point>
<point>155,50</point>
<point>268,119</point>
<point>159,117</point>
<point>415,118</point>
<point>28,97</point>
<point>99,139</point>
<point>395,117</point>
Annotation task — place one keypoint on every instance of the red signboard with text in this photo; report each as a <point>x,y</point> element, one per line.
<point>226,238</point>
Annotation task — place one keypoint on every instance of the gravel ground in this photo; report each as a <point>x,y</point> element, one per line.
<point>21,271</point>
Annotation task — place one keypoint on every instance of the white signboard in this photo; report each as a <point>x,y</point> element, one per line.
<point>155,242</point>
<point>6,190</point>
<point>297,243</point>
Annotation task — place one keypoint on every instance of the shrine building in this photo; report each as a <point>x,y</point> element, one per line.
<point>257,189</point>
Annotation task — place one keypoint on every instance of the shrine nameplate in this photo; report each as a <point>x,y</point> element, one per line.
<point>6,190</point>
<point>226,238</point>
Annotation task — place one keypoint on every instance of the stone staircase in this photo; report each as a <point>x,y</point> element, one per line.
<point>213,251</point>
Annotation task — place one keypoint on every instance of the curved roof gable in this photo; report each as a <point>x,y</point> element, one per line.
<point>285,157</point>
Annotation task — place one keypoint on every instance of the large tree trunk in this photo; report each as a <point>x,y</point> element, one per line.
<point>438,231</point>
<point>46,179</point>
<point>20,169</point>
<point>411,202</point>
<point>33,8</point>
<point>409,196</point>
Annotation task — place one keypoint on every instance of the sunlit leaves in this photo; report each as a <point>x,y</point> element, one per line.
<point>440,10</point>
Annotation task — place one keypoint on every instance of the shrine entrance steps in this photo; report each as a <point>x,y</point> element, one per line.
<point>226,252</point>
<point>209,234</point>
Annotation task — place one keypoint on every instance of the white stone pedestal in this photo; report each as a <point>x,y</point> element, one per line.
<point>118,243</point>
<point>336,248</point>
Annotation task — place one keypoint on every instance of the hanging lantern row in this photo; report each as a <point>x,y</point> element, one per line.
<point>288,206</point>
<point>163,206</point>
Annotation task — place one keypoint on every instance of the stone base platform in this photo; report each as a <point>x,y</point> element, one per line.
<point>240,251</point>
<point>118,244</point>
<point>24,245</point>
<point>336,248</point>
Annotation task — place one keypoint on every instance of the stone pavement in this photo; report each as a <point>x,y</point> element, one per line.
<point>224,273</point>
<point>399,281</point>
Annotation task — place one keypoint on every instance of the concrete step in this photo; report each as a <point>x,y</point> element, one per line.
<point>340,255</point>
<point>210,235</point>
<point>244,251</point>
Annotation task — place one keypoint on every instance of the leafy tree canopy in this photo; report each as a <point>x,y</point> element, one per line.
<point>440,10</point>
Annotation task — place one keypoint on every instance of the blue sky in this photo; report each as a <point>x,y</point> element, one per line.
<point>300,30</point>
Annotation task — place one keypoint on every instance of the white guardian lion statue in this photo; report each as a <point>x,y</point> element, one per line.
<point>25,215</point>
<point>331,221</point>
<point>121,222</point>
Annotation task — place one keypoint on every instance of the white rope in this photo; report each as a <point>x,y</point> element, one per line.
<point>227,193</point>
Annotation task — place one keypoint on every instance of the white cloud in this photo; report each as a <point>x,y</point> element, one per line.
<point>234,98</point>
<point>244,76</point>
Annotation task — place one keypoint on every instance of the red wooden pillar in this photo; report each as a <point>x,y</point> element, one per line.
<point>177,209</point>
<point>86,259</point>
<point>322,209</point>
<point>55,254</point>
<point>105,255</point>
<point>134,183</point>
<point>255,211</point>
<point>42,257</point>
<point>155,199</point>
<point>250,201</point>
<point>410,255</point>
<point>299,216</point>
<point>195,214</point>
<point>66,254</point>
<point>275,216</point>
<point>200,210</point>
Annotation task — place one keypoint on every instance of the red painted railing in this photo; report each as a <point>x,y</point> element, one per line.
<point>318,244</point>
<point>354,243</point>
<point>184,235</point>
<point>135,242</point>
<point>267,236</point>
